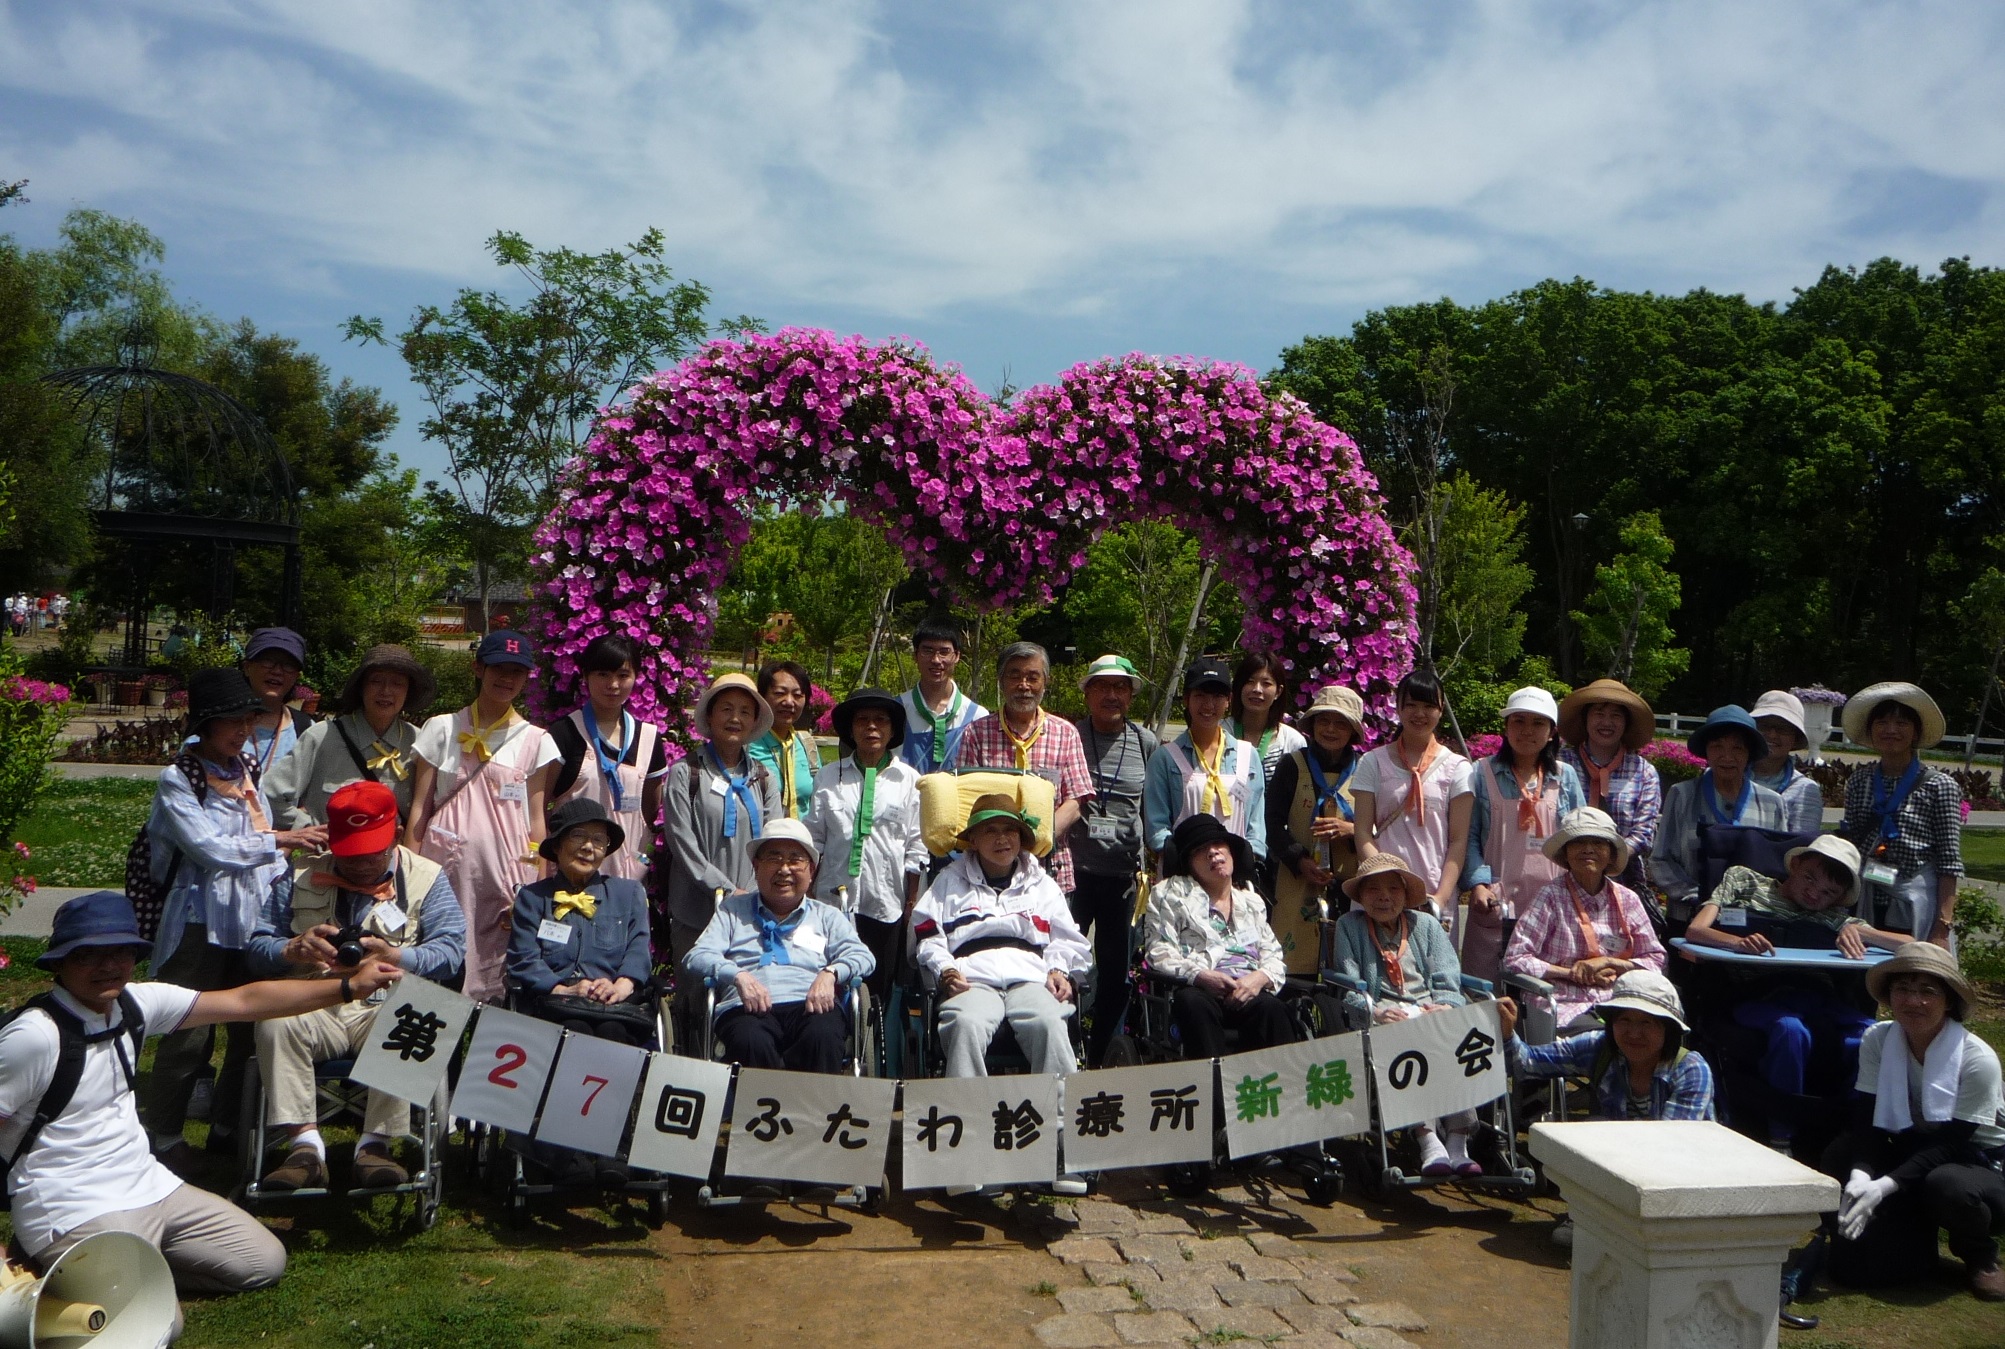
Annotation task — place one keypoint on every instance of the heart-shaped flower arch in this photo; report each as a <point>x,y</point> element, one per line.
<point>994,503</point>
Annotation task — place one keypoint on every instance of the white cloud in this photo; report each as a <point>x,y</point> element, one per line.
<point>1057,158</point>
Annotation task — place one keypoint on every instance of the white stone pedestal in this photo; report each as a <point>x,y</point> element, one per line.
<point>1680,1231</point>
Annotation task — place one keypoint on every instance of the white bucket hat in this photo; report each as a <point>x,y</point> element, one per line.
<point>1645,991</point>
<point>783,831</point>
<point>1111,666</point>
<point>1587,822</point>
<point>1536,701</point>
<point>1784,706</point>
<point>1833,849</point>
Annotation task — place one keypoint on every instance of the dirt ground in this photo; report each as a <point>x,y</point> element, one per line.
<point>1483,1272</point>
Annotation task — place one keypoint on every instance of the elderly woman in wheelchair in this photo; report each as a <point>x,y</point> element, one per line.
<point>997,939</point>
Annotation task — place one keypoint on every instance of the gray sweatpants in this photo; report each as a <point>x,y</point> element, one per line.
<point>968,1021</point>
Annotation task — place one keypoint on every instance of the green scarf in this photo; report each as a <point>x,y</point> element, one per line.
<point>866,813</point>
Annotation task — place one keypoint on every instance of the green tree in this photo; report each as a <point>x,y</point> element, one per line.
<point>1626,625</point>
<point>514,387</point>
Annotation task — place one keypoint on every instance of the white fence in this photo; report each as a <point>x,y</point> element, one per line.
<point>1678,725</point>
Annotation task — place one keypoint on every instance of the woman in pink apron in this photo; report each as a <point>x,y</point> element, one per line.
<point>1522,793</point>
<point>607,755</point>
<point>1412,798</point>
<point>477,803</point>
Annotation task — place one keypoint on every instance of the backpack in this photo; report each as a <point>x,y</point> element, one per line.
<point>72,1042</point>
<point>147,898</point>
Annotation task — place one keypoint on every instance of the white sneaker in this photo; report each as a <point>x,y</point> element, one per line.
<point>1069,1185</point>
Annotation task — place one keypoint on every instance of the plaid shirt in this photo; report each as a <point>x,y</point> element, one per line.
<point>1680,1089</point>
<point>1931,822</point>
<point>1548,933</point>
<point>1635,800</point>
<point>1058,756</point>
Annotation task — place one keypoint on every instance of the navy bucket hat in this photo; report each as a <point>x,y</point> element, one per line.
<point>101,918</point>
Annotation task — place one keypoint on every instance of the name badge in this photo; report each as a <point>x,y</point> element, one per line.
<point>1879,873</point>
<point>1732,918</point>
<point>811,942</point>
<point>512,791</point>
<point>554,932</point>
<point>387,916</point>
<point>1103,831</point>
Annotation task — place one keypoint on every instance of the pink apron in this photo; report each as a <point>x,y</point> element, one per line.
<point>1422,845</point>
<point>1519,869</point>
<point>591,783</point>
<point>480,837</point>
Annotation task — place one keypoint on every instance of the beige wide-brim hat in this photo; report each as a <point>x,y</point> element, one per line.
<point>722,684</point>
<point>1645,991</point>
<point>1859,711</point>
<point>1588,822</point>
<point>1380,863</point>
<point>1335,701</point>
<point>1573,713</point>
<point>1833,849</point>
<point>1922,957</point>
<point>1784,706</point>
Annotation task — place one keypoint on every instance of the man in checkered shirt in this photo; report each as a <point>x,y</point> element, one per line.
<point>1022,735</point>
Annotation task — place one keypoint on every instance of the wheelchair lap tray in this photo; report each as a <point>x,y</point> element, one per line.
<point>1792,933</point>
<point>947,799</point>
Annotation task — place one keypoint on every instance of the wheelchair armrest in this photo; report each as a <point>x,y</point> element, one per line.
<point>1528,983</point>
<point>1482,988</point>
<point>1345,981</point>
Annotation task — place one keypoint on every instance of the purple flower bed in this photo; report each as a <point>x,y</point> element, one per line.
<point>995,504</point>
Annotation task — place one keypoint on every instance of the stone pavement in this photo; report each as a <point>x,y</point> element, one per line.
<point>1144,1274</point>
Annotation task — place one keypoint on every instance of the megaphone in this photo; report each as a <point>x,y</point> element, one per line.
<point>109,1291</point>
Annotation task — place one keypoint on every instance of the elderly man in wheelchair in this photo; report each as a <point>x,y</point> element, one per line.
<point>365,897</point>
<point>998,940</point>
<point>780,962</point>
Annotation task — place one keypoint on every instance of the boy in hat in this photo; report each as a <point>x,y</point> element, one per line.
<point>214,856</point>
<point>371,737</point>
<point>88,1168</point>
<point>408,916</point>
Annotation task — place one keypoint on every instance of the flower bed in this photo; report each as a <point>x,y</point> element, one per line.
<point>995,504</point>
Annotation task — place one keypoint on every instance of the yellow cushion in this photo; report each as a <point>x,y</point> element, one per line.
<point>947,799</point>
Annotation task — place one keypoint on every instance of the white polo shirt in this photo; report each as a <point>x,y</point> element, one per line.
<point>94,1158</point>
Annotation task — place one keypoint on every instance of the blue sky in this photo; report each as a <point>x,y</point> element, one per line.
<point>1019,186</point>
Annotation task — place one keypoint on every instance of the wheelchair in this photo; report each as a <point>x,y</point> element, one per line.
<point>1150,1035</point>
<point>501,1158</point>
<point>860,1059</point>
<point>1494,1145</point>
<point>340,1100</point>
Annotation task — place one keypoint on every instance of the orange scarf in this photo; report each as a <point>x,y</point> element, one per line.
<point>1615,913</point>
<point>1529,793</point>
<point>1416,800</point>
<point>1598,778</point>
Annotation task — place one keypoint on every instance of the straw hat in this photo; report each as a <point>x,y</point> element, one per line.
<point>1783,706</point>
<point>1833,849</point>
<point>1859,711</point>
<point>1645,991</point>
<point>1336,701</point>
<point>1922,957</point>
<point>743,683</point>
<point>1588,822</point>
<point>1377,865</point>
<point>1573,713</point>
<point>998,806</point>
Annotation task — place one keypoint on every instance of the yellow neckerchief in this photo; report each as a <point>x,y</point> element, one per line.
<point>580,901</point>
<point>387,757</point>
<point>788,799</point>
<point>475,741</point>
<point>1214,782</point>
<point>1022,747</point>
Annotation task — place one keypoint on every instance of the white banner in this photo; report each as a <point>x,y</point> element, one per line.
<point>1300,1093</point>
<point>1150,1116</point>
<point>1436,1064</point>
<point>591,1095</point>
<point>412,1039</point>
<point>980,1131</point>
<point>506,1067</point>
<point>681,1107</point>
<point>824,1128</point>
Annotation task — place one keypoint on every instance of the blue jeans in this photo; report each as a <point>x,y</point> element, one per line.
<point>1793,1019</point>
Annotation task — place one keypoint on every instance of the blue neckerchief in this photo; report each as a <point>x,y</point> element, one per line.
<point>1887,805</point>
<point>1326,791</point>
<point>609,762</point>
<point>773,938</point>
<point>1713,801</point>
<point>738,787</point>
<point>1782,779</point>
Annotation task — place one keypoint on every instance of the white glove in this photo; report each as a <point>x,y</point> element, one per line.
<point>1857,1209</point>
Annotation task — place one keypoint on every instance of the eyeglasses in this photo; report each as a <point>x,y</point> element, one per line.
<point>786,863</point>
<point>583,841</point>
<point>1926,990</point>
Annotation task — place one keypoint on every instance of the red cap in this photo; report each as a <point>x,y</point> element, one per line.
<point>361,818</point>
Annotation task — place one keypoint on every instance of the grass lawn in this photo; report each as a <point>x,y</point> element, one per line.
<point>79,830</point>
<point>1984,853</point>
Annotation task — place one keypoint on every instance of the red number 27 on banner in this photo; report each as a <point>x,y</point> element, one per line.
<point>593,1095</point>
<point>510,1058</point>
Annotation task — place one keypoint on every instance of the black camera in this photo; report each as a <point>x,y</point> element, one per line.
<point>348,951</point>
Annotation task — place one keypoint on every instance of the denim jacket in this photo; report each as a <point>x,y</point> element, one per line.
<point>611,944</point>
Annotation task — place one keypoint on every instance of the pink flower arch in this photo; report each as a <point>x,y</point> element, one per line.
<point>995,503</point>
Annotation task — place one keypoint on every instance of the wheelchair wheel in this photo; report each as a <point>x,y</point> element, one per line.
<point>1188,1180</point>
<point>518,1208</point>
<point>1123,1051</point>
<point>657,1208</point>
<point>1323,1188</point>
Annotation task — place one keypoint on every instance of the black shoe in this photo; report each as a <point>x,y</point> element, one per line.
<point>1797,1320</point>
<point>221,1140</point>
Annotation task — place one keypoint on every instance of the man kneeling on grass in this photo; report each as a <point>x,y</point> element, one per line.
<point>81,1160</point>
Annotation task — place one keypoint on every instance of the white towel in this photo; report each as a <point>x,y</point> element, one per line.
<point>1941,1068</point>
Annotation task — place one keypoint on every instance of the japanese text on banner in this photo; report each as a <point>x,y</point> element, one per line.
<point>681,1110</point>
<point>591,1095</point>
<point>1149,1116</point>
<point>412,1040</point>
<point>818,1127</point>
<point>980,1131</point>
<point>1290,1094</point>
<point>1436,1064</point>
<point>506,1067</point>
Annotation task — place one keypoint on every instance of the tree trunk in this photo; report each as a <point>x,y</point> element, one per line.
<point>1983,708</point>
<point>1170,689</point>
<point>876,637</point>
<point>482,578</point>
